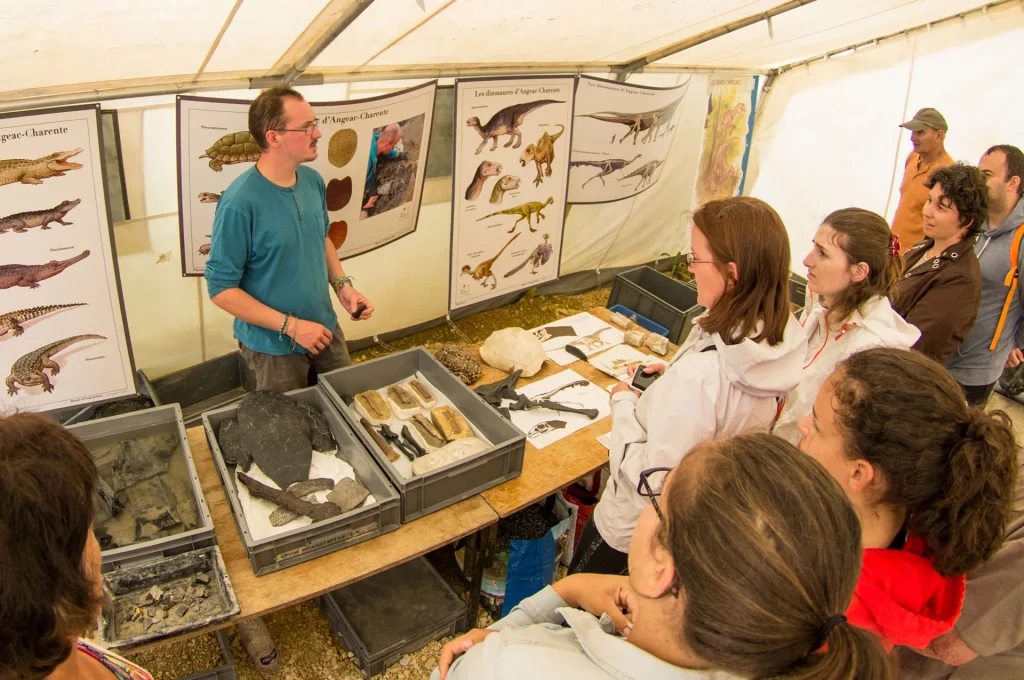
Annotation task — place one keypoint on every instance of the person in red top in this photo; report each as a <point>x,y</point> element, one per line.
<point>931,479</point>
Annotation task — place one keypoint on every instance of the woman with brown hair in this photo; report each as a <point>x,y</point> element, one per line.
<point>931,479</point>
<point>51,588</point>
<point>741,566</point>
<point>852,273</point>
<point>744,353</point>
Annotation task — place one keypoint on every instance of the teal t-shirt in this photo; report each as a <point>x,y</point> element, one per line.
<point>269,241</point>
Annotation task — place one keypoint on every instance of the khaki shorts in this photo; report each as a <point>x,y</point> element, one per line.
<point>291,371</point>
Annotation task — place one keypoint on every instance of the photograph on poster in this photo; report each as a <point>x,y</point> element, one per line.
<point>63,340</point>
<point>510,174</point>
<point>726,137</point>
<point>621,137</point>
<point>371,154</point>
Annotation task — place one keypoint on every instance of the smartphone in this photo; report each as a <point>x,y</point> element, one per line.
<point>641,380</point>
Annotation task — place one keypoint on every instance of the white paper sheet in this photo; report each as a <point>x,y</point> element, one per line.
<point>543,426</point>
<point>583,324</point>
<point>616,361</point>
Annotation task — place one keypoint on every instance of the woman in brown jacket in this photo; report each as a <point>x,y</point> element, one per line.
<point>941,286</point>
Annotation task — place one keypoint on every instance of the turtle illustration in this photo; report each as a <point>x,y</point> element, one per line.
<point>236,147</point>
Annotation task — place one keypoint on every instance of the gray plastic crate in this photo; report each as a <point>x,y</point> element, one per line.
<point>157,420</point>
<point>225,671</point>
<point>79,414</point>
<point>385,616</point>
<point>213,384</point>
<point>454,482</point>
<point>658,297</point>
<point>319,538</point>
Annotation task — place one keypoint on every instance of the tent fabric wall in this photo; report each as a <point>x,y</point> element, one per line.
<point>827,135</point>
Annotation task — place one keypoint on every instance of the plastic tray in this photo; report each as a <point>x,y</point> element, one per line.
<point>640,320</point>
<point>385,616</point>
<point>210,385</point>
<point>661,299</point>
<point>155,420</point>
<point>320,538</point>
<point>225,671</point>
<point>79,414</point>
<point>457,481</point>
<point>797,291</point>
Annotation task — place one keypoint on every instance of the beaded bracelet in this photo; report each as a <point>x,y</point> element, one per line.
<point>284,326</point>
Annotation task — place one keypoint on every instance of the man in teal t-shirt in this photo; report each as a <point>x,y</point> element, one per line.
<point>271,264</point>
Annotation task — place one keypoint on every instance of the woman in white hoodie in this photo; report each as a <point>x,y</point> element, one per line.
<point>744,354</point>
<point>853,271</point>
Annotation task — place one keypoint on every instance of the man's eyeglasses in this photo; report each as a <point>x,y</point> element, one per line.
<point>306,129</point>
<point>651,482</point>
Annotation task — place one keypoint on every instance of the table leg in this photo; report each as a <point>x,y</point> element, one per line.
<point>481,547</point>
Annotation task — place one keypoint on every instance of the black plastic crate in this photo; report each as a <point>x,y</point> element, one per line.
<point>320,538</point>
<point>385,616</point>
<point>80,414</point>
<point>457,481</point>
<point>210,385</point>
<point>658,297</point>
<point>797,291</point>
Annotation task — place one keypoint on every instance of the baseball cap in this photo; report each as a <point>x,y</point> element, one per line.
<point>926,118</point>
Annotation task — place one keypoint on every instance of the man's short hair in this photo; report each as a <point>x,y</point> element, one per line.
<point>966,188</point>
<point>267,113</point>
<point>1014,164</point>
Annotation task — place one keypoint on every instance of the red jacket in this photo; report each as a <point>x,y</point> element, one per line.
<point>903,599</point>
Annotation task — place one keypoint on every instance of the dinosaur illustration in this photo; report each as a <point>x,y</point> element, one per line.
<point>538,258</point>
<point>28,370</point>
<point>541,153</point>
<point>19,223</point>
<point>29,275</point>
<point>645,172</point>
<point>593,341</point>
<point>525,211</point>
<point>34,171</point>
<point>651,121</point>
<point>607,166</point>
<point>483,171</point>
<point>208,197</point>
<point>11,321</point>
<point>506,122</point>
<point>483,271</point>
<point>505,183</point>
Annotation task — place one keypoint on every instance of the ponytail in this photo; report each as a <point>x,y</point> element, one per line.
<point>851,653</point>
<point>953,468</point>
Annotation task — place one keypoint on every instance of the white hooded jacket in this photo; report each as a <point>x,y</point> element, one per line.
<point>875,324</point>
<point>702,395</point>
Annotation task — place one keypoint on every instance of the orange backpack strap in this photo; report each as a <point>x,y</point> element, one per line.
<point>1011,283</point>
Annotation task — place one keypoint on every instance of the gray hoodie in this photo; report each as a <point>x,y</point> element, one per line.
<point>973,363</point>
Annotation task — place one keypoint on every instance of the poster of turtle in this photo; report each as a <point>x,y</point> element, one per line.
<point>727,130</point>
<point>510,179</point>
<point>372,154</point>
<point>63,335</point>
<point>621,138</point>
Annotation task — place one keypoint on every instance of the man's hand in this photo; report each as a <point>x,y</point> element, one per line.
<point>599,594</point>
<point>1015,359</point>
<point>350,299</point>
<point>311,335</point>
<point>458,647</point>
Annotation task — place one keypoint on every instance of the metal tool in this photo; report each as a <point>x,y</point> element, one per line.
<point>420,451</point>
<point>397,442</point>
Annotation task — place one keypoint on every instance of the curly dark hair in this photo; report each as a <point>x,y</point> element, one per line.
<point>965,187</point>
<point>47,485</point>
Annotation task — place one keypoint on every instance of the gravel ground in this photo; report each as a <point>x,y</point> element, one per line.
<point>181,660</point>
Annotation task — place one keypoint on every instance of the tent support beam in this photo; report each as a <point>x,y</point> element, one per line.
<point>707,36</point>
<point>344,21</point>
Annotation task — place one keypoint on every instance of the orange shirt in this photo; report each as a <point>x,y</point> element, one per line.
<point>908,223</point>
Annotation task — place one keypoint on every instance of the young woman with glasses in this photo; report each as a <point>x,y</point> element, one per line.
<point>744,353</point>
<point>741,566</point>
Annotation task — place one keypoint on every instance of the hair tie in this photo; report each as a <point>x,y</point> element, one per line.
<point>975,431</point>
<point>894,245</point>
<point>830,626</point>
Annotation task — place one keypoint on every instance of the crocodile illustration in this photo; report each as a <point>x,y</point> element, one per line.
<point>34,171</point>
<point>525,211</point>
<point>29,275</point>
<point>504,183</point>
<point>541,153</point>
<point>607,167</point>
<point>28,370</point>
<point>19,223</point>
<point>645,172</point>
<point>651,121</point>
<point>11,321</point>
<point>208,197</point>
<point>506,122</point>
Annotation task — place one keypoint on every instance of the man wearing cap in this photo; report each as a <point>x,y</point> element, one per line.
<point>927,134</point>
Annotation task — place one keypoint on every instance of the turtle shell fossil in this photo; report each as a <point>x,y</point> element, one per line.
<point>342,147</point>
<point>339,193</point>
<point>514,349</point>
<point>459,361</point>
<point>236,147</point>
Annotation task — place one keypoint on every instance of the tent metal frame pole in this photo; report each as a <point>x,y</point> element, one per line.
<point>344,21</point>
<point>707,36</point>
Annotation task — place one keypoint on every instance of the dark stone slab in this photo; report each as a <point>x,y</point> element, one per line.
<point>320,435</point>
<point>275,434</point>
<point>348,494</point>
<point>229,437</point>
<point>141,459</point>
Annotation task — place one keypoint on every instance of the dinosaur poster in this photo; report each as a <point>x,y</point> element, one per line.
<point>63,336</point>
<point>727,127</point>
<point>512,142</point>
<point>623,134</point>
<point>372,154</point>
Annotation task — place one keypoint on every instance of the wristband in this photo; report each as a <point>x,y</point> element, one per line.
<point>339,283</point>
<point>284,325</point>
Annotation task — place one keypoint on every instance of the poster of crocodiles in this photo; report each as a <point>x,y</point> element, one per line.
<point>730,112</point>
<point>371,153</point>
<point>620,128</point>
<point>63,333</point>
<point>511,172</point>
